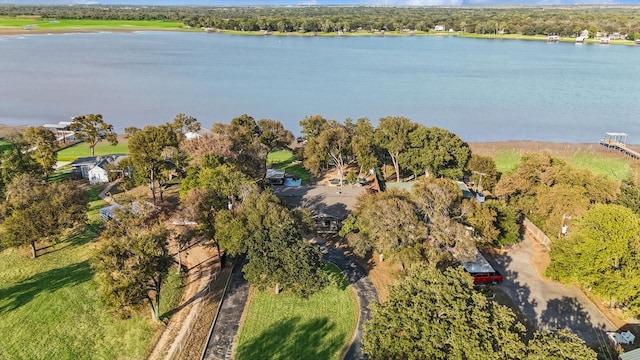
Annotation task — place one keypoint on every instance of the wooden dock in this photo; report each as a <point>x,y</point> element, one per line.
<point>613,142</point>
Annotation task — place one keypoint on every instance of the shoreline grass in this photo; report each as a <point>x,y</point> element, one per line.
<point>285,326</point>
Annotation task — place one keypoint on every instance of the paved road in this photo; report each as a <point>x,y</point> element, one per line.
<point>226,327</point>
<point>549,305</point>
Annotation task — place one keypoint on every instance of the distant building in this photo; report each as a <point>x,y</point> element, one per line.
<point>439,28</point>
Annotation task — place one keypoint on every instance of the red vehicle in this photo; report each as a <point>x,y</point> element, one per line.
<point>481,271</point>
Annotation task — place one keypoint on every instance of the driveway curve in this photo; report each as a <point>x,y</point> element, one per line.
<point>547,304</point>
<point>225,327</point>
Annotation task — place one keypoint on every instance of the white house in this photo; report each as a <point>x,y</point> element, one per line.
<point>93,167</point>
<point>439,28</point>
<point>98,173</point>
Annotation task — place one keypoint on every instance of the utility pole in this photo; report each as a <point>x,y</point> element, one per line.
<point>479,187</point>
<point>563,226</point>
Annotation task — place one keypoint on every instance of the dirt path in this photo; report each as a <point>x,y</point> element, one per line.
<point>202,264</point>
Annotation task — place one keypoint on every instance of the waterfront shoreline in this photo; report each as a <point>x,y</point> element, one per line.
<point>17,31</point>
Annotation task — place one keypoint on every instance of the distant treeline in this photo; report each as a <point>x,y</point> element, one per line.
<point>561,20</point>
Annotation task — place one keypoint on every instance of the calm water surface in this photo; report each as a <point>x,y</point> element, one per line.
<point>483,90</point>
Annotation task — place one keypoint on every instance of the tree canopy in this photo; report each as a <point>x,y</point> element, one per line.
<point>92,129</point>
<point>37,211</point>
<point>546,188</point>
<point>271,236</point>
<point>433,314</point>
<point>131,261</point>
<point>600,254</point>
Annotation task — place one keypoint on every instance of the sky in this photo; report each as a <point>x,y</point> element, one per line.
<point>325,2</point>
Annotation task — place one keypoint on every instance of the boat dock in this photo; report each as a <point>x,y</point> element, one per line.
<point>618,141</point>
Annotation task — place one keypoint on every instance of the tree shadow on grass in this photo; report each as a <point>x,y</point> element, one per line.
<point>294,339</point>
<point>49,281</point>
<point>77,238</point>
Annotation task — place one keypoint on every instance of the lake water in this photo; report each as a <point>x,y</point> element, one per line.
<point>483,90</point>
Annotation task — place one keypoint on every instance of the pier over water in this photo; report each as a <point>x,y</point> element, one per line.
<point>618,141</point>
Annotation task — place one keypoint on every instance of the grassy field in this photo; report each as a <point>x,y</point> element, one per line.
<point>284,160</point>
<point>82,149</point>
<point>4,145</point>
<point>507,160</point>
<point>39,24</point>
<point>613,168</point>
<point>616,169</point>
<point>50,308</point>
<point>286,326</point>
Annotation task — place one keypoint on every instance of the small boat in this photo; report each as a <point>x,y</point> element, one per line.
<point>580,39</point>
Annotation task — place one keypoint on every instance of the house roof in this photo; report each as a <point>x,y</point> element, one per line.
<point>335,201</point>
<point>274,174</point>
<point>91,161</point>
<point>631,355</point>
<point>85,161</point>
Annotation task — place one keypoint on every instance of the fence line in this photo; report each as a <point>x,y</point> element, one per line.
<point>536,234</point>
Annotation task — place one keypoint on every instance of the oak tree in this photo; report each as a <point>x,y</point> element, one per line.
<point>132,260</point>
<point>91,128</point>
<point>43,146</point>
<point>37,211</point>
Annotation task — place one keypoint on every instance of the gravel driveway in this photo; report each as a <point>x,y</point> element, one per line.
<point>549,305</point>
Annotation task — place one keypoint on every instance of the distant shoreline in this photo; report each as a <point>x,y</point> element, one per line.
<point>9,31</point>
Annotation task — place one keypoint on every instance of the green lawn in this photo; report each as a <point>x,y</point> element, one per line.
<point>50,308</point>
<point>617,169</point>
<point>286,326</point>
<point>4,145</point>
<point>65,25</point>
<point>507,161</point>
<point>82,149</point>
<point>284,160</point>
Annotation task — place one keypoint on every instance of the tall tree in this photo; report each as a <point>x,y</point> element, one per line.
<point>18,160</point>
<point>363,145</point>
<point>244,134</point>
<point>36,211</point>
<point>387,222</point>
<point>92,129</point>
<point>147,151</point>
<point>43,146</point>
<point>433,314</point>
<point>209,190</point>
<point>392,134</point>
<point>437,315</point>
<point>483,172</point>
<point>132,261</point>
<point>271,237</point>
<point>333,143</point>
<point>600,254</point>
<point>436,151</point>
<point>273,135</point>
<point>311,126</point>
